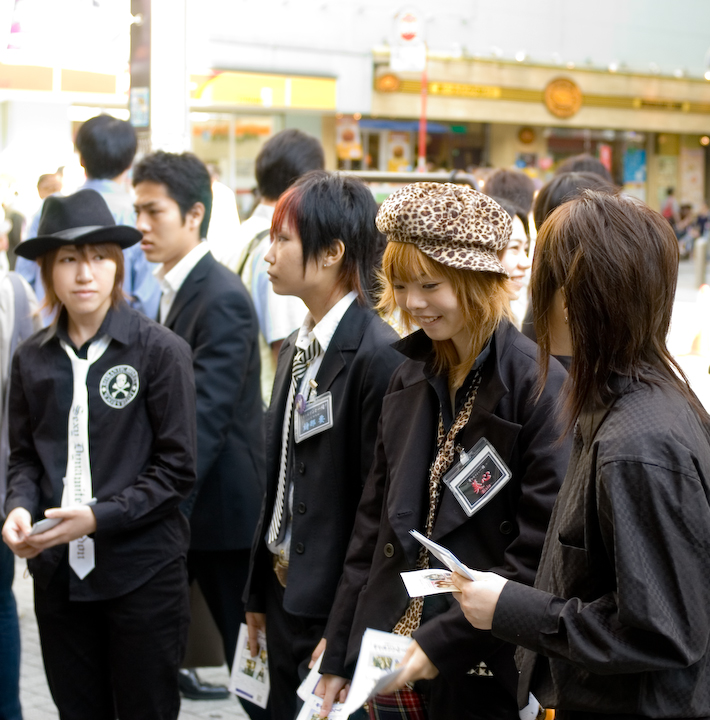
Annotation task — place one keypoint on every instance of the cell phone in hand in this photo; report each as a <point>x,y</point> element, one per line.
<point>48,523</point>
<point>43,525</point>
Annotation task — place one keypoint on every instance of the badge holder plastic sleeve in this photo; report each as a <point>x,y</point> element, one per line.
<point>459,475</point>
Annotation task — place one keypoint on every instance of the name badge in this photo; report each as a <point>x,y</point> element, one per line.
<point>478,476</point>
<point>315,418</point>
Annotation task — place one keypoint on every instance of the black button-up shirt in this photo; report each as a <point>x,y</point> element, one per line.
<point>142,451</point>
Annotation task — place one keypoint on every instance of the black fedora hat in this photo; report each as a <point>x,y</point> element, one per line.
<point>79,219</point>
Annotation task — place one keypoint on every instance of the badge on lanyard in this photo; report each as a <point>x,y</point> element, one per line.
<point>314,415</point>
<point>477,477</point>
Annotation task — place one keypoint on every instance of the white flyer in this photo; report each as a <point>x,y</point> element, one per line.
<point>311,710</point>
<point>308,686</point>
<point>443,555</point>
<point>377,666</point>
<point>250,675</point>
<point>434,581</point>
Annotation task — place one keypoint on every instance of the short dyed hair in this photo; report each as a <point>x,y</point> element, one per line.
<point>616,262</point>
<point>185,177</point>
<point>47,261</point>
<point>107,146</point>
<point>482,296</point>
<point>285,157</point>
<point>324,207</point>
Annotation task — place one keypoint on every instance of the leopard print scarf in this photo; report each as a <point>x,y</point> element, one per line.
<point>446,444</point>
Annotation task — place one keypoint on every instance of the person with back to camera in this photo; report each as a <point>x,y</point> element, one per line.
<point>324,248</point>
<point>102,439</point>
<point>107,147</point>
<point>285,157</point>
<point>617,625</point>
<point>469,384</point>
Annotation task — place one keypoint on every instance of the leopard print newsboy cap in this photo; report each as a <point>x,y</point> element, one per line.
<point>452,224</point>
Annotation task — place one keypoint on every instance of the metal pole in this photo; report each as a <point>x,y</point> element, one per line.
<point>421,163</point>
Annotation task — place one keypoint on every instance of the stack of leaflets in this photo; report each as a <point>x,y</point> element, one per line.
<point>378,665</point>
<point>250,675</point>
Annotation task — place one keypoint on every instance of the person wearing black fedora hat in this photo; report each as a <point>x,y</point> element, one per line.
<point>103,447</point>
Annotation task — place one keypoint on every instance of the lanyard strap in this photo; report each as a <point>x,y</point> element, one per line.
<point>446,444</point>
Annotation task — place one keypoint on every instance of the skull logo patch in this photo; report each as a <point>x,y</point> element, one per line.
<point>119,386</point>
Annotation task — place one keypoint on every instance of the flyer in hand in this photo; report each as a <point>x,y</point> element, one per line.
<point>443,555</point>
<point>432,581</point>
<point>250,675</point>
<point>377,666</point>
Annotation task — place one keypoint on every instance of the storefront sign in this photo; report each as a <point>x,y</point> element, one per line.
<point>464,90</point>
<point>348,144</point>
<point>563,98</point>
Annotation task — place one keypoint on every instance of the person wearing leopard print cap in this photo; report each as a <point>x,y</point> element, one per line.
<point>468,384</point>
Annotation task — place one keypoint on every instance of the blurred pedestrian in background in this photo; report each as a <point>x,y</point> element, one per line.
<point>284,158</point>
<point>18,320</point>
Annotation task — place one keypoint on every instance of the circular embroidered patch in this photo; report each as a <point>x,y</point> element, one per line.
<point>119,386</point>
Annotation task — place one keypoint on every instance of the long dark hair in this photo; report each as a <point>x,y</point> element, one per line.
<point>616,262</point>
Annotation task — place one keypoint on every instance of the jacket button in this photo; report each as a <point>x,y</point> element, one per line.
<point>301,508</point>
<point>506,527</point>
<point>389,550</point>
<point>300,548</point>
<point>302,468</point>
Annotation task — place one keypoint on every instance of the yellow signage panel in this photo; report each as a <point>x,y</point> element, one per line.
<point>313,93</point>
<point>266,91</point>
<point>464,90</point>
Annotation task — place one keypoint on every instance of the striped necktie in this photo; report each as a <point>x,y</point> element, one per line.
<point>301,361</point>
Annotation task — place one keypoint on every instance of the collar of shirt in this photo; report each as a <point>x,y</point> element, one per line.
<point>264,212</point>
<point>118,199</point>
<point>170,282</point>
<point>116,325</point>
<point>103,186</point>
<point>325,329</point>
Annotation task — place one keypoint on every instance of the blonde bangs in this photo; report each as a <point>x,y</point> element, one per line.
<point>483,298</point>
<point>407,263</point>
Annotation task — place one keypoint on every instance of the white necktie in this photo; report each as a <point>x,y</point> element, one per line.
<point>77,478</point>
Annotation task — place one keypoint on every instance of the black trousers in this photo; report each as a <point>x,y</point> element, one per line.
<point>115,658</point>
<point>290,642</point>
<point>222,575</point>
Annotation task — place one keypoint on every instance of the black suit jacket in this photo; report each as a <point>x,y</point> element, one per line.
<point>505,536</point>
<point>213,312</point>
<point>330,468</point>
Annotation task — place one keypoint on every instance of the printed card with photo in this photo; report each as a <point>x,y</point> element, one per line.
<point>434,581</point>
<point>250,675</point>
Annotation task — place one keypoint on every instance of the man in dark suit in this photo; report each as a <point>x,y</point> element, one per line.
<point>208,306</point>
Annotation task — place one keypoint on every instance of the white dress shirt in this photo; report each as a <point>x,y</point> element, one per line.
<point>170,282</point>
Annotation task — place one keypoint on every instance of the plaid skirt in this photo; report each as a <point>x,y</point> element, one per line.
<point>404,703</point>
